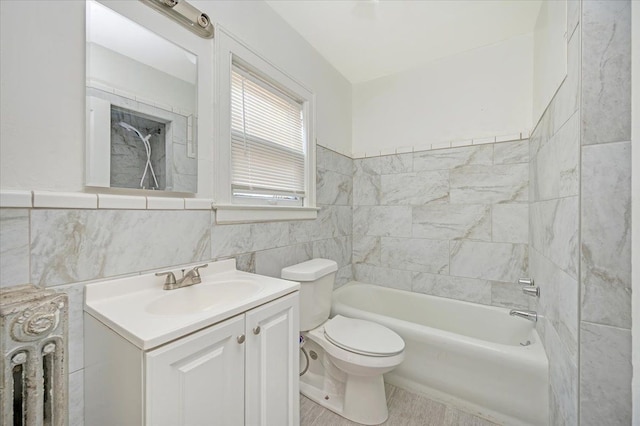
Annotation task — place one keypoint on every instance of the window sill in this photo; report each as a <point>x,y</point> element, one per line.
<point>227,214</point>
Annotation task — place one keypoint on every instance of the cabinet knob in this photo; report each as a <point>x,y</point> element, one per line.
<point>241,339</point>
<point>256,330</point>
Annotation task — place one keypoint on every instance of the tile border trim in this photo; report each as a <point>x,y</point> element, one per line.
<point>442,145</point>
<point>81,200</point>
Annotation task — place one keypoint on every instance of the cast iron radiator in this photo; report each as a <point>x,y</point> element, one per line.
<point>33,346</point>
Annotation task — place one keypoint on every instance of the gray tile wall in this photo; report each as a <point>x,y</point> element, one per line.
<point>580,221</point>
<point>554,210</point>
<point>14,247</point>
<point>449,222</point>
<point>65,249</point>
<point>605,246</point>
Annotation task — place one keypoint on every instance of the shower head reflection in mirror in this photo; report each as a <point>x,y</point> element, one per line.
<point>139,149</point>
<point>147,147</point>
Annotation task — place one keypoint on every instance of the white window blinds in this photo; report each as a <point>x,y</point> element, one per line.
<point>267,139</point>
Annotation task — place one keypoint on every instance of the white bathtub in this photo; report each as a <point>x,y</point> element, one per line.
<point>463,354</point>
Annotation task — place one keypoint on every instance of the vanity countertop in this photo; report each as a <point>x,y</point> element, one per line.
<point>138,309</point>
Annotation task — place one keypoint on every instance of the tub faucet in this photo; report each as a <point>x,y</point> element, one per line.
<point>190,278</point>
<point>530,315</point>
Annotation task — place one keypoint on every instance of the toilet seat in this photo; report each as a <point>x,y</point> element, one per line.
<point>362,337</point>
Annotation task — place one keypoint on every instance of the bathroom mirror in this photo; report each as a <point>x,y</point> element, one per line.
<point>141,94</point>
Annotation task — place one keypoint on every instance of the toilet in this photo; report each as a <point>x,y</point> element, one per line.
<point>343,359</point>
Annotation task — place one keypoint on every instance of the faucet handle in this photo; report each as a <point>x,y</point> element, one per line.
<point>526,281</point>
<point>195,269</point>
<point>171,279</point>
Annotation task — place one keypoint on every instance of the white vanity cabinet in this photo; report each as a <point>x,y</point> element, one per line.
<point>241,371</point>
<point>272,364</point>
<point>199,379</point>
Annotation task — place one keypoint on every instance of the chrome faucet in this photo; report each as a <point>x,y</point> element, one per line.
<point>190,278</point>
<point>530,315</point>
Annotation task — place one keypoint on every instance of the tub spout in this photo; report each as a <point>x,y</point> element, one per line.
<point>530,315</point>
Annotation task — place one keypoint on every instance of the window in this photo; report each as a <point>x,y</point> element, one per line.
<point>265,151</point>
<point>267,142</point>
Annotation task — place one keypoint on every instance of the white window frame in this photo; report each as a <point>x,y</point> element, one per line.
<point>228,48</point>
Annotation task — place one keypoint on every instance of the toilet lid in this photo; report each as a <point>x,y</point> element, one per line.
<point>362,337</point>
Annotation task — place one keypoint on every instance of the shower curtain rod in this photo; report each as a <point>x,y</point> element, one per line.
<point>185,14</point>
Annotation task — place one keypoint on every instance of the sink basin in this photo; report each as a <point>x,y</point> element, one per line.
<point>202,297</point>
<point>138,309</point>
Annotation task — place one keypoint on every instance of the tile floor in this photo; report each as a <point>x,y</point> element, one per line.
<point>405,409</point>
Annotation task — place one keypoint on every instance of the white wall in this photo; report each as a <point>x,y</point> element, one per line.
<point>42,134</point>
<point>549,54</point>
<point>120,72</point>
<point>480,93</point>
<point>42,95</point>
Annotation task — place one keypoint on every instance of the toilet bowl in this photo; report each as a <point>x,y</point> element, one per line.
<point>344,358</point>
<point>363,395</point>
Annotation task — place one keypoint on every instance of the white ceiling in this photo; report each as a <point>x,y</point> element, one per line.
<point>367,39</point>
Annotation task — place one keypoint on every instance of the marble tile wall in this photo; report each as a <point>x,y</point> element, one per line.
<point>606,71</point>
<point>450,222</point>
<point>605,375</point>
<point>580,200</point>
<point>65,249</point>
<point>605,235</point>
<point>554,209</point>
<point>70,246</point>
<point>14,247</point>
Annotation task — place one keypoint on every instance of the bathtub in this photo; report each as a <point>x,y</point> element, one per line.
<point>474,357</point>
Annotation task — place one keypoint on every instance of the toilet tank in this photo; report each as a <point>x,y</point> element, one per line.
<point>316,278</point>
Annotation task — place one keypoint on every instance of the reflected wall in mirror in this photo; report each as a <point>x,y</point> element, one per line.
<point>141,107</point>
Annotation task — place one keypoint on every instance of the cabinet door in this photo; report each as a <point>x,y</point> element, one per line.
<point>199,379</point>
<point>271,368</point>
